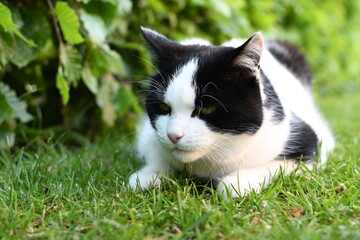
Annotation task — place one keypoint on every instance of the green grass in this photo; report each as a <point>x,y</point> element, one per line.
<point>57,193</point>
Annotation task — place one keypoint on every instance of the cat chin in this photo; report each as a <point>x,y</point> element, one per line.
<point>187,156</point>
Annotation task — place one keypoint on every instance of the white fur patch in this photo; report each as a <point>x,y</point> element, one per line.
<point>180,94</point>
<point>294,97</point>
<point>195,135</point>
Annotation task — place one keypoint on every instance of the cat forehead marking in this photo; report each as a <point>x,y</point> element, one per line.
<point>180,93</point>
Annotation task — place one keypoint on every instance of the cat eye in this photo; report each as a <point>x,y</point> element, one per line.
<point>164,107</point>
<point>208,110</point>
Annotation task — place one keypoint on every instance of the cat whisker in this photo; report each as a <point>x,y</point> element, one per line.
<point>224,149</point>
<point>127,136</point>
<point>214,159</point>
<point>217,159</point>
<point>206,95</point>
<point>208,84</point>
<point>226,138</point>
<point>151,64</point>
<point>153,92</point>
<point>150,140</point>
<point>143,90</point>
<point>204,160</point>
<point>145,99</point>
<point>149,80</point>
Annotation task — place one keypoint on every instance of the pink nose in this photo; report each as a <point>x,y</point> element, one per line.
<point>174,137</point>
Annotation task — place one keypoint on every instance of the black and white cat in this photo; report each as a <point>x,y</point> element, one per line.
<point>236,113</point>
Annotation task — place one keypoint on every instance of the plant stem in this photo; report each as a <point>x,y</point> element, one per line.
<point>57,29</point>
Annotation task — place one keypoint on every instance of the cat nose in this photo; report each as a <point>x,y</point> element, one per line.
<point>174,138</point>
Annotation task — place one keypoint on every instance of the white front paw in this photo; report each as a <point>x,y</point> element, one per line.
<point>144,180</point>
<point>233,186</point>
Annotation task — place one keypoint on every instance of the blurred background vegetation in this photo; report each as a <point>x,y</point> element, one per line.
<point>76,66</point>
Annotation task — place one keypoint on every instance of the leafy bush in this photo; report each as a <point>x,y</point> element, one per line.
<point>78,64</point>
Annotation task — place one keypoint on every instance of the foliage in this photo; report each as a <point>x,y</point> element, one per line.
<point>78,63</point>
<point>58,58</point>
<point>69,22</point>
<point>11,107</point>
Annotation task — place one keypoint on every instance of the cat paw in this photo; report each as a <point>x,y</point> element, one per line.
<point>234,186</point>
<point>142,180</point>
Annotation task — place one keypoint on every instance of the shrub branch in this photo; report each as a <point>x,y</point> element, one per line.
<point>57,29</point>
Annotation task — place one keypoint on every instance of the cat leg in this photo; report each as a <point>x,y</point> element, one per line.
<point>150,174</point>
<point>156,163</point>
<point>156,166</point>
<point>249,179</point>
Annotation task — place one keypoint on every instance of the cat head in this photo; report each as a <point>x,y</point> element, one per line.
<point>202,93</point>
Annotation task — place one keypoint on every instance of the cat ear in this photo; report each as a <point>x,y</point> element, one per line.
<point>248,54</point>
<point>158,45</point>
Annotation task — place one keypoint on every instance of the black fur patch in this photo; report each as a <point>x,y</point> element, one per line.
<point>302,143</point>
<point>219,82</point>
<point>272,100</point>
<point>292,59</point>
<point>234,91</point>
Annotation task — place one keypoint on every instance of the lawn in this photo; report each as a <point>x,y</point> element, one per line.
<point>57,192</point>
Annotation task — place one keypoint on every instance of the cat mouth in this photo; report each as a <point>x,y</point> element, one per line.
<point>186,155</point>
<point>180,150</point>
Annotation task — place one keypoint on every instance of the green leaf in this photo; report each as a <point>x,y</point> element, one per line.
<point>35,26</point>
<point>103,60</point>
<point>7,47</point>
<point>69,22</point>
<point>113,2</point>
<point>5,18</point>
<point>8,25</point>
<point>47,51</point>
<point>89,79</point>
<point>157,5</point>
<point>95,26</point>
<point>122,101</point>
<point>221,7</point>
<point>71,61</point>
<point>113,59</point>
<point>5,109</point>
<point>105,10</point>
<point>125,6</point>
<point>84,1</point>
<point>17,106</point>
<point>23,54</point>
<point>125,99</point>
<point>103,99</point>
<point>22,37</point>
<point>63,86</point>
